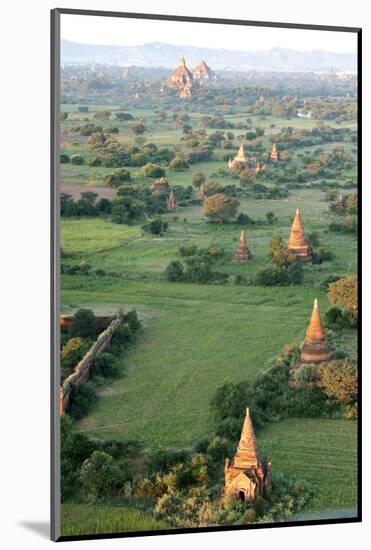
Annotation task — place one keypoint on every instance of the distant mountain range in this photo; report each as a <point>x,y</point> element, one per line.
<point>158,54</point>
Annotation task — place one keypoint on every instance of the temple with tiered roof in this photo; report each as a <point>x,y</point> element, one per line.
<point>239,160</point>
<point>243,253</point>
<point>314,348</point>
<point>182,80</point>
<point>297,245</point>
<point>248,475</point>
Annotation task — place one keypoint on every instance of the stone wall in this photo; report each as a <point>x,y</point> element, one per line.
<point>82,370</point>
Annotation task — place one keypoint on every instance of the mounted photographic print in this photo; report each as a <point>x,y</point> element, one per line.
<point>205,184</point>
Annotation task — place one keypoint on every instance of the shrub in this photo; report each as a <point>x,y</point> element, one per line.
<point>178,165</point>
<point>84,323</point>
<point>107,365</point>
<point>116,179</point>
<point>339,380</point>
<point>174,271</point>
<point>82,400</point>
<point>99,476</point>
<point>151,170</point>
<point>77,159</point>
<point>64,158</point>
<point>72,352</point>
<point>306,375</point>
<point>344,292</point>
<point>156,226</point>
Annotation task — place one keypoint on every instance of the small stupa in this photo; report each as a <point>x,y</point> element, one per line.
<point>171,202</point>
<point>297,245</point>
<point>243,253</point>
<point>274,154</point>
<point>249,475</point>
<point>239,159</point>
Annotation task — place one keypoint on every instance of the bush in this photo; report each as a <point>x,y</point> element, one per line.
<point>64,158</point>
<point>77,159</point>
<point>99,476</point>
<point>156,226</point>
<point>151,170</point>
<point>107,365</point>
<point>174,271</point>
<point>116,179</point>
<point>82,400</point>
<point>178,165</point>
<point>339,380</point>
<point>72,352</point>
<point>306,375</point>
<point>84,324</point>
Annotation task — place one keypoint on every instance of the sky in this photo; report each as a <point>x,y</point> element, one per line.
<point>129,32</point>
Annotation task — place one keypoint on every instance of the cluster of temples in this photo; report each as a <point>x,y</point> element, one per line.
<point>186,81</point>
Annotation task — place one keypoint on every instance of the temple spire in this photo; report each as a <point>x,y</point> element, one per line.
<point>243,253</point>
<point>242,237</point>
<point>297,244</point>
<point>315,330</point>
<point>247,455</point>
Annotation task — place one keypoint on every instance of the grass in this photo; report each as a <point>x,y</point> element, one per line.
<point>83,519</point>
<point>321,452</point>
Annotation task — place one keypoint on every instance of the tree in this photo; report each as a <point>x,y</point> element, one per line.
<point>63,116</point>
<point>82,109</point>
<point>306,375</point>
<point>156,226</point>
<point>77,159</point>
<point>64,158</point>
<point>212,187</point>
<point>107,365</point>
<point>151,170</point>
<point>102,115</point>
<point>84,323</point>
<point>116,179</point>
<point>99,475</point>
<point>72,353</point>
<point>138,128</point>
<point>278,251</point>
<point>178,165</point>
<point>220,207</point>
<point>339,380</point>
<point>198,178</point>
<point>344,292</point>
<point>126,208</point>
<point>174,271</point>
<point>124,116</point>
<point>247,176</point>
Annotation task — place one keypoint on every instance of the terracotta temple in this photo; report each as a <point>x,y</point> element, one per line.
<point>202,73</point>
<point>297,245</point>
<point>243,253</point>
<point>314,348</point>
<point>274,154</point>
<point>182,80</point>
<point>171,202</point>
<point>249,475</point>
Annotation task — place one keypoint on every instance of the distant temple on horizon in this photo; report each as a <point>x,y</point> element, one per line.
<point>249,475</point>
<point>182,80</point>
<point>171,202</point>
<point>297,245</point>
<point>243,253</point>
<point>202,73</point>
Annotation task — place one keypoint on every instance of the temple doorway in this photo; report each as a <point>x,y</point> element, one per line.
<point>241,496</point>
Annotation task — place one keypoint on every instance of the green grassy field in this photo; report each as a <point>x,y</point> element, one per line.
<point>83,519</point>
<point>197,336</point>
<point>322,452</point>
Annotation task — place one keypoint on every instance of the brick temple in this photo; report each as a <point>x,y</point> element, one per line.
<point>314,348</point>
<point>239,160</point>
<point>243,253</point>
<point>297,244</point>
<point>249,475</point>
<point>274,154</point>
<point>171,202</point>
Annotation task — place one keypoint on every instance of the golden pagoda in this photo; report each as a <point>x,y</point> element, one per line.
<point>274,154</point>
<point>249,474</point>
<point>314,348</point>
<point>239,159</point>
<point>243,253</point>
<point>297,244</point>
